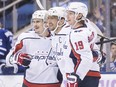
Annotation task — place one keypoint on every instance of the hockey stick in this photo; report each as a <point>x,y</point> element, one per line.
<point>103,37</point>
<point>39,4</point>
<point>106,41</point>
<point>100,34</point>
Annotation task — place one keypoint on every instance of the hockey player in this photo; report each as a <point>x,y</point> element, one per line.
<point>80,43</point>
<point>6,42</point>
<point>32,51</point>
<point>56,19</point>
<point>58,27</point>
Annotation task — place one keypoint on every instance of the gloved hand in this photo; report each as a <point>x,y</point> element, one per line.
<point>103,59</point>
<point>6,70</point>
<point>1,66</point>
<point>24,59</point>
<point>73,80</point>
<point>98,57</point>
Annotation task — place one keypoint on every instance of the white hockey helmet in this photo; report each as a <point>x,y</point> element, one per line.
<point>40,14</point>
<point>57,11</point>
<point>78,7</point>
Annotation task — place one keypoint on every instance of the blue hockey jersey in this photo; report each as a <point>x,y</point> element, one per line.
<point>6,41</point>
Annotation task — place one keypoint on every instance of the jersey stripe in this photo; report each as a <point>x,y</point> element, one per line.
<point>41,85</point>
<point>93,73</point>
<point>4,49</point>
<point>18,47</point>
<point>77,56</point>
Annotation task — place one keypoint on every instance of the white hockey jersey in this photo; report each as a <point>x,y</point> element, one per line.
<point>39,71</point>
<point>58,41</point>
<point>78,47</point>
<point>95,69</point>
<point>62,48</point>
<point>57,46</point>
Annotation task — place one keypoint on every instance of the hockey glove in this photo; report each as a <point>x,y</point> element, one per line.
<point>98,57</point>
<point>103,59</point>
<point>6,70</point>
<point>24,59</point>
<point>73,80</point>
<point>95,56</point>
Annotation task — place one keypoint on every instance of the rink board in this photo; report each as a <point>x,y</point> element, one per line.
<point>107,80</point>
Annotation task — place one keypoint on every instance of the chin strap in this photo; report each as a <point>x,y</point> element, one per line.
<point>41,34</point>
<point>76,21</point>
<point>53,32</point>
<point>45,28</point>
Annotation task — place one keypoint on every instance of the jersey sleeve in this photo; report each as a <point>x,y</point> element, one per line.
<point>16,49</point>
<point>10,42</point>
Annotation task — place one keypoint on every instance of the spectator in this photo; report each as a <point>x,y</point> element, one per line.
<point>93,18</point>
<point>113,57</point>
<point>99,15</point>
<point>113,21</point>
<point>112,60</point>
<point>6,41</point>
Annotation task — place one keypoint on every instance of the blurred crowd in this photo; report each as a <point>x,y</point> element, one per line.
<point>113,20</point>
<point>98,17</point>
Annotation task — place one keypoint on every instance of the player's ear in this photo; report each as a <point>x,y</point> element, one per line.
<point>62,20</point>
<point>79,16</point>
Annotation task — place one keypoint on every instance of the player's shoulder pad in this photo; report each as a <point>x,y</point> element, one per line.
<point>8,33</point>
<point>25,35</point>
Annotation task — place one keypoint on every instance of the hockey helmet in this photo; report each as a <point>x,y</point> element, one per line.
<point>57,11</point>
<point>40,14</point>
<point>78,7</point>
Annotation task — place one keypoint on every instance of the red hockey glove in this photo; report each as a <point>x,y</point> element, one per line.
<point>73,80</point>
<point>24,59</point>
